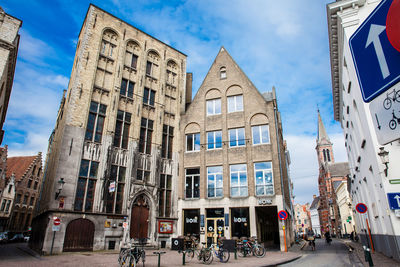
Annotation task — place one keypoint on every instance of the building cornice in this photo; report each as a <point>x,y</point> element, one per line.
<point>335,45</point>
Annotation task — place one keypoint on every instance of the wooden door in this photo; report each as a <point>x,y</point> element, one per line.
<point>79,235</point>
<point>139,218</point>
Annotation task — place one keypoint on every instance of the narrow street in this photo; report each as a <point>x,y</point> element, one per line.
<point>334,255</point>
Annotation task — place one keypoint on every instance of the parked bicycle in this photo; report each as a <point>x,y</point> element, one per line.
<point>391,97</point>
<point>132,255</point>
<point>247,247</point>
<point>204,254</point>
<point>221,253</point>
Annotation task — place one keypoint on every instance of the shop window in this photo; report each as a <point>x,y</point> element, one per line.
<point>240,222</point>
<point>214,107</point>
<point>121,135</point>
<point>236,137</point>
<point>238,174</point>
<point>191,224</point>
<point>94,128</point>
<point>235,103</point>
<point>192,185</point>
<point>264,180</point>
<point>214,182</point>
<point>260,134</point>
<point>193,142</point>
<point>214,140</point>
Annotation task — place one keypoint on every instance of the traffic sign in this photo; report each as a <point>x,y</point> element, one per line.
<point>394,200</point>
<point>361,208</point>
<point>393,25</point>
<point>282,215</point>
<point>56,221</point>
<point>376,61</point>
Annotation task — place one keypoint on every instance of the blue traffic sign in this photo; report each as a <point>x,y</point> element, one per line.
<point>376,61</point>
<point>282,215</point>
<point>361,208</point>
<point>394,200</point>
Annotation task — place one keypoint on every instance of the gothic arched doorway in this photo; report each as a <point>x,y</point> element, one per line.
<point>79,235</point>
<point>140,218</point>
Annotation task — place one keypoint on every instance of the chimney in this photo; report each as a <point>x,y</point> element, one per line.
<point>189,80</point>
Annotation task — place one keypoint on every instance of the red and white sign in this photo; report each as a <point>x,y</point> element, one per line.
<point>111,188</point>
<point>393,24</point>
<point>56,221</point>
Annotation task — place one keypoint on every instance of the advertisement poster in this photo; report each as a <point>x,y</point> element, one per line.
<point>165,227</point>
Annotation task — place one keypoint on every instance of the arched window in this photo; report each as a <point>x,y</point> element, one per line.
<point>328,154</point>
<point>324,152</point>
<point>223,73</point>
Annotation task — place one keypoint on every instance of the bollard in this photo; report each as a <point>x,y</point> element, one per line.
<point>159,256</point>
<point>183,257</point>
<point>368,257</point>
<point>235,253</point>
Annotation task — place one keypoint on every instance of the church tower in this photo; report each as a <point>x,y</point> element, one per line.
<point>324,145</point>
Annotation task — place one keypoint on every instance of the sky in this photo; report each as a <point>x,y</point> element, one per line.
<point>276,43</point>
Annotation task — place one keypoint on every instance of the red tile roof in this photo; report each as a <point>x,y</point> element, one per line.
<point>18,166</point>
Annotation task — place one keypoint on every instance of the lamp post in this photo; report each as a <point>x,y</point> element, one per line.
<point>384,155</point>
<point>60,187</point>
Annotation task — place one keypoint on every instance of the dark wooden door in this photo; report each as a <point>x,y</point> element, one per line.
<point>139,219</point>
<point>79,235</point>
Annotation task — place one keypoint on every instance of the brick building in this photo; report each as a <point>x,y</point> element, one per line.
<point>302,218</point>
<point>233,172</point>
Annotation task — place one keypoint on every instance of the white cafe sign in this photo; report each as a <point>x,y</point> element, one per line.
<point>264,201</point>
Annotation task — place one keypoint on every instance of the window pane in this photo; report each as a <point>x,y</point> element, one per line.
<point>265,134</point>
<point>217,106</point>
<point>93,106</point>
<point>196,186</point>
<point>189,187</point>
<point>262,165</point>
<point>189,142</point>
<point>99,129</point>
<point>256,135</point>
<point>234,179</point>
<point>134,61</point>
<point>218,139</point>
<point>259,178</point>
<point>210,107</point>
<point>121,175</point>
<point>268,177</point>
<point>231,104</point>
<point>239,103</point>
<point>146,96</point>
<point>259,190</point>
<point>243,179</point>
<point>148,68</point>
<point>123,87</point>
<point>241,140</point>
<point>197,142</point>
<point>210,140</point>
<point>93,169</point>
<point>90,126</point>
<point>103,109</point>
<point>243,191</point>
<point>130,89</point>
<point>232,137</point>
<point>83,172</point>
<point>219,182</point>
<point>234,191</point>
<point>218,192</point>
<point>152,97</point>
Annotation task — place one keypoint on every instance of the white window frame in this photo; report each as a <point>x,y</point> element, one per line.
<point>193,142</point>
<point>214,143</point>
<point>265,184</point>
<point>239,186</point>
<point>215,175</point>
<point>235,100</point>
<point>214,102</point>
<point>236,130</point>
<point>258,129</point>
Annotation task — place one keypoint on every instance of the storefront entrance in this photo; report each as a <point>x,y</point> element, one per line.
<point>268,226</point>
<point>214,225</point>
<point>240,223</point>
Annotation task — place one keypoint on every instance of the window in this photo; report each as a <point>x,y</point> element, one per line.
<point>86,185</point>
<point>31,201</point>
<point>121,136</point>
<point>238,180</point>
<point>171,77</point>
<point>9,188</point>
<point>214,140</point>
<point>35,186</point>
<point>127,88</point>
<point>214,181</point>
<point>214,106</point>
<point>107,48</point>
<point>236,137</point>
<point>148,97</point>
<point>94,128</point>
<point>18,199</point>
<point>29,183</point>
<point>260,134</point>
<point>193,142</point>
<point>235,103</point>
<point>134,61</point>
<point>192,186</point>
<point>25,199</point>
<point>3,205</point>
<point>8,205</point>
<point>264,181</point>
<point>146,132</point>
<point>223,73</point>
<point>166,146</point>
<point>143,175</point>
<point>115,189</point>
<point>150,68</point>
<point>164,200</point>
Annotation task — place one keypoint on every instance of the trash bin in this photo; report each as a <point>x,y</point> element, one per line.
<point>368,257</point>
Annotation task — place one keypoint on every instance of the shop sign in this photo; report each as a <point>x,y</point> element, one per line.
<point>192,220</point>
<point>264,201</point>
<point>240,220</point>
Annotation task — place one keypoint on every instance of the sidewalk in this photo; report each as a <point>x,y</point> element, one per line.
<point>378,258</point>
<point>169,259</point>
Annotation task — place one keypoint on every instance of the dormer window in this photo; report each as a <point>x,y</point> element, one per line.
<point>223,73</point>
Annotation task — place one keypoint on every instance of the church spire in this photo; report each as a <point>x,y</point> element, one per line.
<point>324,145</point>
<point>321,130</point>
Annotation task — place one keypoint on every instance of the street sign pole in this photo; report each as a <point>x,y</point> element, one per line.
<point>284,235</point>
<point>52,243</point>
<point>369,234</point>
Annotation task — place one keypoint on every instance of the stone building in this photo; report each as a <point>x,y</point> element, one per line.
<point>9,42</point>
<point>314,215</point>
<point>345,206</point>
<point>303,218</point>
<point>329,172</point>
<point>7,190</point>
<point>112,164</point>
<point>233,173</point>
<point>27,174</point>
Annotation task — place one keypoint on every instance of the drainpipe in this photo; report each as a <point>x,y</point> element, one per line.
<point>278,139</point>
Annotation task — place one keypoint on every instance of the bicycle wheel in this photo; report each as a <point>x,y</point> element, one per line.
<point>143,256</point>
<point>392,124</point>
<point>240,250</point>
<point>259,251</point>
<point>387,103</point>
<point>122,256</point>
<point>189,255</point>
<point>397,96</point>
<point>128,260</point>
<point>207,257</point>
<point>224,255</point>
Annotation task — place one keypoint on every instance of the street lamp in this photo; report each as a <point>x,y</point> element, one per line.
<point>384,158</point>
<point>60,187</point>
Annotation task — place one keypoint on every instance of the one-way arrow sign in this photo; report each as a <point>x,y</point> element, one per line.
<point>394,200</point>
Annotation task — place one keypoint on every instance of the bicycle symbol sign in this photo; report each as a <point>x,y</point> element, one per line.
<point>385,112</point>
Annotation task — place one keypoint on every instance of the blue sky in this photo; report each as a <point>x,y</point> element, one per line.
<point>276,43</point>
